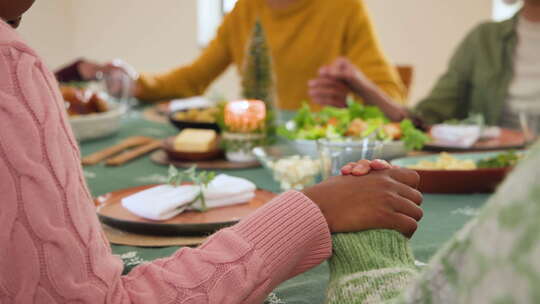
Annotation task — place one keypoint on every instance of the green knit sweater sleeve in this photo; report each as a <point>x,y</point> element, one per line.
<point>369,267</point>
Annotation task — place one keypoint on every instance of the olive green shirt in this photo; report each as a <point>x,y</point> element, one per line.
<point>478,76</point>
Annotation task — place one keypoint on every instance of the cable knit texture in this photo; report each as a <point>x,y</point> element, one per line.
<point>53,249</point>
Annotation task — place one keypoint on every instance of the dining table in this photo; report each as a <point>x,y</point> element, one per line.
<point>444,215</point>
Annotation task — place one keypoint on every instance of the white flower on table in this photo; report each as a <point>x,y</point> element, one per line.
<point>131,258</point>
<point>88,174</point>
<point>466,211</point>
<point>273,299</point>
<point>152,179</point>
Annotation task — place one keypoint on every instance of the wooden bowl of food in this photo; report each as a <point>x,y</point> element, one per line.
<point>461,173</point>
<point>196,119</point>
<point>461,181</point>
<point>177,150</point>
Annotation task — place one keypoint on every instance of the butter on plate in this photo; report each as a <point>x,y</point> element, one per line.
<point>196,140</point>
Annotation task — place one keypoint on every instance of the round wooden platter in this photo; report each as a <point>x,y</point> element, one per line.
<point>509,139</point>
<point>160,157</point>
<point>111,212</point>
<point>121,237</point>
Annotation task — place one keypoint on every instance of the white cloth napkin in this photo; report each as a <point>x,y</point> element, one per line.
<point>226,201</point>
<point>161,202</point>
<point>196,102</point>
<point>165,201</point>
<point>490,133</point>
<point>461,136</point>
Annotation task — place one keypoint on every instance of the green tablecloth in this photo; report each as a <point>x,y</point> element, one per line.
<point>443,214</point>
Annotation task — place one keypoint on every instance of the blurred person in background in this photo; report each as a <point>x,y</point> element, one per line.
<point>302,36</point>
<point>495,70</point>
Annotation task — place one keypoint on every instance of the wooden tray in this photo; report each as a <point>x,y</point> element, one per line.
<point>111,212</point>
<point>509,139</point>
<point>160,157</point>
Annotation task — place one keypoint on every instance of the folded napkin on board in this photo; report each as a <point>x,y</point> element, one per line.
<point>166,201</point>
<point>196,102</point>
<point>462,136</point>
<point>456,135</point>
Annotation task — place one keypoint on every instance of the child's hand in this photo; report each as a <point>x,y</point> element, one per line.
<point>383,199</point>
<point>363,167</point>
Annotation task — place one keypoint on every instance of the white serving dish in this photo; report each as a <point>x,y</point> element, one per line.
<point>97,125</point>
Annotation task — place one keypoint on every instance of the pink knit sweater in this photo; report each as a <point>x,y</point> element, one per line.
<point>52,249</point>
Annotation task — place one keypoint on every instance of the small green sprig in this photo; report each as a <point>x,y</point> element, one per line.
<point>200,179</point>
<point>502,160</point>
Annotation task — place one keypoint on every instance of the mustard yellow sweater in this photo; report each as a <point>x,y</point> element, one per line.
<point>302,38</point>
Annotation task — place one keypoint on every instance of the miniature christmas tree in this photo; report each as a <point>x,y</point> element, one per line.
<point>258,80</point>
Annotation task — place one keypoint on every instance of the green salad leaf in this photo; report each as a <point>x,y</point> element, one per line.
<point>304,118</point>
<point>201,179</point>
<point>413,138</point>
<point>502,160</point>
<point>334,123</point>
<point>358,110</point>
<point>285,132</point>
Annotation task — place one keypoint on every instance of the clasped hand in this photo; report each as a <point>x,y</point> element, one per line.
<point>370,195</point>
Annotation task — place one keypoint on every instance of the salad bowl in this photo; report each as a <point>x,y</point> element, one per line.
<point>356,122</point>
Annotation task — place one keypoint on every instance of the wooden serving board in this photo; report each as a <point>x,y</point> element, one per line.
<point>160,157</point>
<point>111,212</point>
<point>508,139</point>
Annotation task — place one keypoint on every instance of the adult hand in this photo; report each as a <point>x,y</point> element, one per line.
<point>335,81</point>
<point>89,70</point>
<point>342,69</point>
<point>383,199</point>
<point>328,91</point>
<point>120,78</point>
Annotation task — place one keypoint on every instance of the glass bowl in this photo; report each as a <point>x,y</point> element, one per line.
<point>336,154</point>
<point>289,168</point>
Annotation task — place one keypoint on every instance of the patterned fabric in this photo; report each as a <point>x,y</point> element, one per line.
<point>495,258</point>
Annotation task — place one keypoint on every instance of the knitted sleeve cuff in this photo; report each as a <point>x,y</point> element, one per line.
<point>290,233</point>
<point>368,250</point>
<point>369,267</point>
